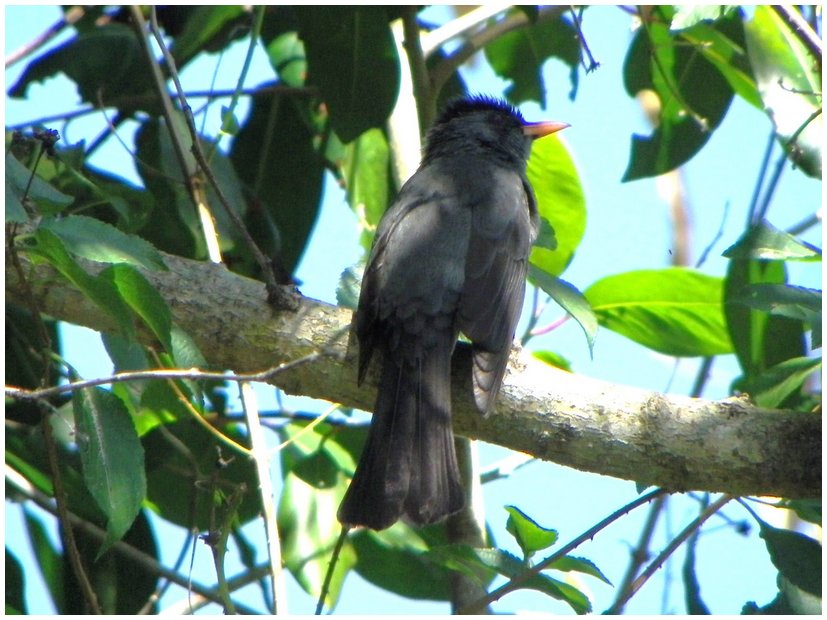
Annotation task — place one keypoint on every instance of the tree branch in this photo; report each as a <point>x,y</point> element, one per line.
<point>675,442</point>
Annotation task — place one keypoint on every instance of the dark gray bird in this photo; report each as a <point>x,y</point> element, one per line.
<point>450,255</point>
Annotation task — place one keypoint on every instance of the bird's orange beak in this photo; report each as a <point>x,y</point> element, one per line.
<point>543,128</point>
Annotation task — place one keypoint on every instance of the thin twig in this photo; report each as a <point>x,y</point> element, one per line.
<point>676,542</point>
<point>164,374</point>
<point>518,581</point>
<point>578,25</point>
<point>261,459</point>
<point>640,553</point>
<point>331,567</point>
<point>802,29</point>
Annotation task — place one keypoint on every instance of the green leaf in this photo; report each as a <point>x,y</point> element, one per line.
<point>560,201</point>
<point>229,123</point>
<point>287,57</point>
<point>15,586</point>
<point>275,157</point>
<point>19,179</point>
<point>171,474</point>
<point>764,241</point>
<point>687,15</point>
<point>107,64</point>
<point>675,311</point>
<point>570,299</point>
<point>694,96</point>
<point>519,56</point>
<point>142,297</point>
<point>366,172</point>
<point>531,536</point>
<point>100,242</point>
<point>581,565</point>
<point>794,302</point>
<point>112,459</point>
<point>464,559</point>
<point>351,57</point>
<point>796,556</point>
<point>760,339</point>
<point>100,290</point>
<point>309,529</point>
<point>789,80</point>
<point>203,25</point>
<point>553,359</point>
<point>395,560</point>
<point>773,386</point>
<point>48,558</point>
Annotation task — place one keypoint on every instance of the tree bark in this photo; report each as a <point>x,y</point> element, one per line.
<point>675,442</point>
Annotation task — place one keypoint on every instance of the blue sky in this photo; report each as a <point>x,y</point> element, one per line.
<point>628,228</point>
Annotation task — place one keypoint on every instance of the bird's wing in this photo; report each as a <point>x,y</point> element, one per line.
<point>504,226</point>
<point>415,272</point>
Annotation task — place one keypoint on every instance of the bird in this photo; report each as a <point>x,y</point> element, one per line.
<point>450,256</point>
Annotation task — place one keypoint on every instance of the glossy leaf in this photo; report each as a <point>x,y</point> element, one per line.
<point>112,458</point>
<point>520,55</point>
<point>674,311</point>
<point>570,299</point>
<point>789,80</point>
<point>100,242</point>
<point>351,57</point>
<point>530,535</point>
<point>560,201</point>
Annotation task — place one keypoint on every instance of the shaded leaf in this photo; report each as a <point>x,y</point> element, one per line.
<point>694,97</point>
<point>275,157</point>
<point>144,300</point>
<point>367,176</point>
<point>675,311</point>
<point>20,183</point>
<point>112,458</point>
<point>570,299</point>
<point>351,57</point>
<point>204,24</point>
<point>48,559</point>
<point>106,63</point>
<point>796,556</point>
<point>760,339</point>
<point>15,585</point>
<point>519,56</point>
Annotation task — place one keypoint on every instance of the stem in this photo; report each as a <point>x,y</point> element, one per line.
<point>535,570</point>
